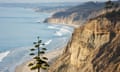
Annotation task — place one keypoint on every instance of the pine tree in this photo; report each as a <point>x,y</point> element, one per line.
<point>40,60</point>
<point>109,4</point>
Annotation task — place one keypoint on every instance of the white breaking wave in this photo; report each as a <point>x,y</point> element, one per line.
<point>62,31</point>
<point>3,55</point>
<point>58,33</point>
<point>48,42</point>
<point>52,27</point>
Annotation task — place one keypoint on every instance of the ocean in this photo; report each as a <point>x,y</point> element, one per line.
<point>19,28</point>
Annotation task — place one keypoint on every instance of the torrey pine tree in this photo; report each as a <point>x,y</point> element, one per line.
<point>40,60</point>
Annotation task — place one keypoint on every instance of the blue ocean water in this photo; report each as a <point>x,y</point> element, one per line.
<point>19,28</point>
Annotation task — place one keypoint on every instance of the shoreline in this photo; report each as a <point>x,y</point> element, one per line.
<point>72,25</point>
<point>52,55</point>
<point>69,25</point>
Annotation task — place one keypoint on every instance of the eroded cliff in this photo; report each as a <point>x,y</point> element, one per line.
<point>94,47</point>
<point>75,15</point>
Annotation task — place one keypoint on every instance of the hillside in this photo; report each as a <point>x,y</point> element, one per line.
<point>76,15</point>
<point>94,47</point>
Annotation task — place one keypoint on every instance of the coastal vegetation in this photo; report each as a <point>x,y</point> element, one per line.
<point>40,60</point>
<point>94,46</point>
<point>79,14</point>
<point>76,15</point>
<point>110,4</point>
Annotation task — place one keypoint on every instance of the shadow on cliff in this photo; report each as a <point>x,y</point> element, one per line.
<point>109,52</point>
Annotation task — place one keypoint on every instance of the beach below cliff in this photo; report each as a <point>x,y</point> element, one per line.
<point>52,55</point>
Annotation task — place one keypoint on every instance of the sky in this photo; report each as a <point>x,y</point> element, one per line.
<point>43,1</point>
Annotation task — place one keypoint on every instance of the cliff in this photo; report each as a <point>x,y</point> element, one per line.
<point>75,15</point>
<point>94,47</point>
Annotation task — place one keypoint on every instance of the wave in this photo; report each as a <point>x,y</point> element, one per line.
<point>48,42</point>
<point>61,30</point>
<point>3,55</point>
<point>53,27</point>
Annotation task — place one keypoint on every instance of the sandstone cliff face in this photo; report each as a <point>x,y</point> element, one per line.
<point>94,47</point>
<point>75,15</point>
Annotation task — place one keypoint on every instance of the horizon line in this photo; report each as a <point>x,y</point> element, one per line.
<point>52,2</point>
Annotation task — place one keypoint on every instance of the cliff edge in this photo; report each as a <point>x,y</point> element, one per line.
<point>76,15</point>
<point>94,47</point>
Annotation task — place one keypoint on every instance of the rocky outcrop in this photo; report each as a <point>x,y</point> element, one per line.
<point>94,47</point>
<point>75,15</point>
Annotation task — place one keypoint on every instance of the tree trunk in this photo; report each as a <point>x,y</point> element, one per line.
<point>38,69</point>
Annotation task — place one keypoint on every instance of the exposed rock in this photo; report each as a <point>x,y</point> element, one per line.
<point>94,47</point>
<point>75,15</point>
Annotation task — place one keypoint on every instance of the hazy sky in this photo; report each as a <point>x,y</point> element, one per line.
<point>40,1</point>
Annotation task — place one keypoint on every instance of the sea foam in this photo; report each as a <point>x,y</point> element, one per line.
<point>48,42</point>
<point>3,55</point>
<point>62,31</point>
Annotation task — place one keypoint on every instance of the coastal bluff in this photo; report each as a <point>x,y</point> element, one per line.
<point>94,46</point>
<point>76,15</point>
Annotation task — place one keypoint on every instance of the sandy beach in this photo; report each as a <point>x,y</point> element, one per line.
<point>51,56</point>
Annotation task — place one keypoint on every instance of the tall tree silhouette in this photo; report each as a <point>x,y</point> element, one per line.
<point>40,60</point>
<point>109,4</point>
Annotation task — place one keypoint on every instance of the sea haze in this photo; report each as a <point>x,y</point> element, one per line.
<point>19,28</point>
<point>35,5</point>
